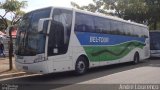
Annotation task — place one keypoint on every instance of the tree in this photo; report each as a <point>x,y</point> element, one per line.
<point>140,11</point>
<point>135,10</point>
<point>2,24</point>
<point>97,6</point>
<point>153,12</point>
<point>14,8</point>
<point>101,6</point>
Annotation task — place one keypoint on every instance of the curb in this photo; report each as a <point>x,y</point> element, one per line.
<point>3,76</point>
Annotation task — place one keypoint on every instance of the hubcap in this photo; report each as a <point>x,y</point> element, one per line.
<point>81,66</point>
<point>136,59</point>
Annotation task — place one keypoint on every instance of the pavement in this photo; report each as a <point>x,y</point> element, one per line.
<point>4,69</point>
<point>116,77</point>
<point>141,75</point>
<point>142,78</point>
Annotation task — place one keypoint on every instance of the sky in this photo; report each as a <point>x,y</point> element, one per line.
<point>35,4</point>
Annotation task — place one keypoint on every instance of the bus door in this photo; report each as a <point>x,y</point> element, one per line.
<point>58,41</point>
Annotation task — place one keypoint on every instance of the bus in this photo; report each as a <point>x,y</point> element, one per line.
<point>155,43</point>
<point>56,39</point>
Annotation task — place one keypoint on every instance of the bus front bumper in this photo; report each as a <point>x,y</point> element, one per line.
<point>40,67</point>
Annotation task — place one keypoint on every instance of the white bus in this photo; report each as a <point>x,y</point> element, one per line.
<point>58,39</point>
<point>155,43</point>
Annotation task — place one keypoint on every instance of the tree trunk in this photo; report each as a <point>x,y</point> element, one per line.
<point>10,48</point>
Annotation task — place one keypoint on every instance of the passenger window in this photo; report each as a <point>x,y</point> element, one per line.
<point>121,28</point>
<point>128,29</point>
<point>116,27</point>
<point>84,23</point>
<point>145,32</point>
<point>102,25</point>
<point>139,31</point>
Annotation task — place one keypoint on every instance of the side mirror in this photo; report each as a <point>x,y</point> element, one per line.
<point>41,22</point>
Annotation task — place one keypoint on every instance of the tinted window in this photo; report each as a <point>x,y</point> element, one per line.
<point>121,28</point>
<point>116,27</point>
<point>145,32</point>
<point>154,40</point>
<point>127,29</point>
<point>102,25</point>
<point>29,42</point>
<point>37,15</point>
<point>59,32</point>
<point>139,31</point>
<point>84,23</point>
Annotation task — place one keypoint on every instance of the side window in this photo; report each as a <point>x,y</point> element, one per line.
<point>102,25</point>
<point>39,14</point>
<point>126,31</point>
<point>124,28</point>
<point>131,30</point>
<point>113,27</point>
<point>145,32</point>
<point>59,32</point>
<point>135,28</point>
<point>116,27</point>
<point>84,23</point>
<point>139,31</point>
<point>121,28</point>
<point>135,31</point>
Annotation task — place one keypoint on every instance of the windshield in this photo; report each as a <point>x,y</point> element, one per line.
<point>155,41</point>
<point>29,41</point>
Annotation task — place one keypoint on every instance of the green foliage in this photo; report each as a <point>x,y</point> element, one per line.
<point>141,11</point>
<point>2,25</point>
<point>13,7</point>
<point>153,13</point>
<point>98,6</point>
<point>136,10</point>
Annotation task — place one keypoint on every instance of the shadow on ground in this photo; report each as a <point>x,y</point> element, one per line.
<point>50,81</point>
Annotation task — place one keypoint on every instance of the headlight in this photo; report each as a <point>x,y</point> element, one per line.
<point>39,58</point>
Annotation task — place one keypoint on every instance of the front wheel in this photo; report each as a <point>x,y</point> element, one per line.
<point>81,66</point>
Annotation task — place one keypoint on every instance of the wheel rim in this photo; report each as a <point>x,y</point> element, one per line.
<point>136,59</point>
<point>81,66</point>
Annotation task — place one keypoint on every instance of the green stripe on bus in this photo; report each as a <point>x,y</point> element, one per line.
<point>107,53</point>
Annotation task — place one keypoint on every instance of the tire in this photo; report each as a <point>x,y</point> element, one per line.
<point>81,66</point>
<point>136,58</point>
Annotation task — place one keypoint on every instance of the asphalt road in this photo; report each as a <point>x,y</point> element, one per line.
<point>58,80</point>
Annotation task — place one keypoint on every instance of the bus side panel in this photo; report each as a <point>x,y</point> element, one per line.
<point>78,50</point>
<point>60,63</point>
<point>106,47</point>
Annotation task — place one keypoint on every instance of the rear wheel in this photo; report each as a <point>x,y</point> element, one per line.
<point>136,58</point>
<point>81,66</point>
